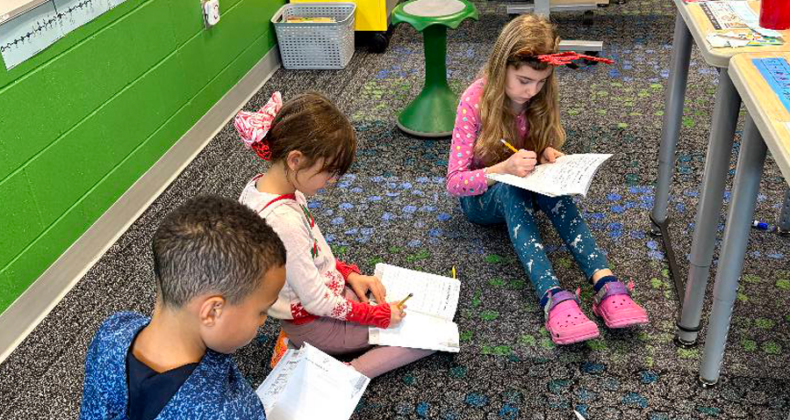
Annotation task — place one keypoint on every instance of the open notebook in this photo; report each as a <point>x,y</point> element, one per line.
<point>568,175</point>
<point>429,323</point>
<point>309,384</point>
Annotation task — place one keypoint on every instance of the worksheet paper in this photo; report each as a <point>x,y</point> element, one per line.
<point>419,331</point>
<point>568,175</point>
<point>431,294</point>
<point>428,323</point>
<point>309,384</point>
<point>738,38</point>
<point>729,14</point>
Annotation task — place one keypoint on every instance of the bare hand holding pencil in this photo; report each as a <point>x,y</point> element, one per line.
<point>521,163</point>
<point>397,312</point>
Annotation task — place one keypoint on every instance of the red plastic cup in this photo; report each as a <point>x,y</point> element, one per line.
<point>775,14</point>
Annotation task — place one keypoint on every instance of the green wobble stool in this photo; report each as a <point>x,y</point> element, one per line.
<point>432,112</point>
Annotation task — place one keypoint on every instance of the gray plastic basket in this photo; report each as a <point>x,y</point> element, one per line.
<point>316,45</point>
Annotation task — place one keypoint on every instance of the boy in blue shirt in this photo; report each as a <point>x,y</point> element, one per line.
<point>218,267</point>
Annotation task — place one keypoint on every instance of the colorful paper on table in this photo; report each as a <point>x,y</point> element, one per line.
<point>744,12</point>
<point>776,71</point>
<point>729,15</point>
<point>764,31</point>
<point>736,38</point>
<point>429,324</point>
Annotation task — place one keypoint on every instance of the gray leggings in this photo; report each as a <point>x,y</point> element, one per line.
<point>337,337</point>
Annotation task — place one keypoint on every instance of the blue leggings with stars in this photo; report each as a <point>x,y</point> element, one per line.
<point>516,207</point>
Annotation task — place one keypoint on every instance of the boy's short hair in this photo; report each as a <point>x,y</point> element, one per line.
<point>213,245</point>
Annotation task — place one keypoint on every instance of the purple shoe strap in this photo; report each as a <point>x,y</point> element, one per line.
<point>611,289</point>
<point>558,297</point>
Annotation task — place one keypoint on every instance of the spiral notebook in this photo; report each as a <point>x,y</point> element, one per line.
<point>429,321</point>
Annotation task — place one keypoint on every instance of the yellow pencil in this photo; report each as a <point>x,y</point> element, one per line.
<point>509,146</point>
<point>400,304</point>
<point>453,272</point>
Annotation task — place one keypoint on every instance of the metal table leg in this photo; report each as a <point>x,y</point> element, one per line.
<point>673,115</point>
<point>717,164</point>
<point>736,235</point>
<point>670,130</point>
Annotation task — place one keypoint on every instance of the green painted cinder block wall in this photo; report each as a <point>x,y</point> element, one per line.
<point>83,120</point>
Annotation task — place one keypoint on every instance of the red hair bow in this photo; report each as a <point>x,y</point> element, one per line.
<point>261,149</point>
<point>566,57</point>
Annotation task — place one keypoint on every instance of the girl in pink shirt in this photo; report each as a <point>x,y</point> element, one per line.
<point>517,100</point>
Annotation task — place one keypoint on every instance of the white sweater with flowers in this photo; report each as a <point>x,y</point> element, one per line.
<point>315,280</point>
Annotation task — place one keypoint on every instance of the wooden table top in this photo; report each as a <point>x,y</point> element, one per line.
<point>700,26</point>
<point>765,107</point>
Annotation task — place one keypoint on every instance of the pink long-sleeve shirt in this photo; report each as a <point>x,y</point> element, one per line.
<point>464,171</point>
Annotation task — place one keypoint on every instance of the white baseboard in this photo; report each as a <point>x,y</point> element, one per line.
<point>37,301</point>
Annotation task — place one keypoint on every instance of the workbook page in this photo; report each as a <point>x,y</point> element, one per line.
<point>419,331</point>
<point>274,384</point>
<point>431,294</point>
<point>308,383</point>
<point>568,175</point>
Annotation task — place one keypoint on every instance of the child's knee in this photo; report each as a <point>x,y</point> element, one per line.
<point>557,206</point>
<point>515,195</point>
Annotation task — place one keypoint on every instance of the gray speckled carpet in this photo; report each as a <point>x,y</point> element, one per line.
<point>392,207</point>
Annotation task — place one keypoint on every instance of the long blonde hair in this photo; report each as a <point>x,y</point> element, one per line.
<point>519,43</point>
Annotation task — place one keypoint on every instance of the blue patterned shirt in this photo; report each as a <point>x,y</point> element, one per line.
<point>215,389</point>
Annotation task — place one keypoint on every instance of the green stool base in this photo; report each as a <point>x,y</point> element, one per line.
<point>431,114</point>
<point>421,133</point>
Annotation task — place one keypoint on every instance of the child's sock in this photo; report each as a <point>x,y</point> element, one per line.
<point>602,281</point>
<point>545,299</point>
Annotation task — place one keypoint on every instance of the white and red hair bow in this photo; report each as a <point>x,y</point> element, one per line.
<point>253,126</point>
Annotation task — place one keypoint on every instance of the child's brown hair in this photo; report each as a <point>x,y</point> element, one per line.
<point>519,43</point>
<point>213,244</point>
<point>312,124</point>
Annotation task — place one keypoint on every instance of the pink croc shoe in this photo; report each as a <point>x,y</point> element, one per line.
<point>613,303</point>
<point>565,321</point>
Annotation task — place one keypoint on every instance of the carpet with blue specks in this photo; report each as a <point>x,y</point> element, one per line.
<point>392,207</point>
